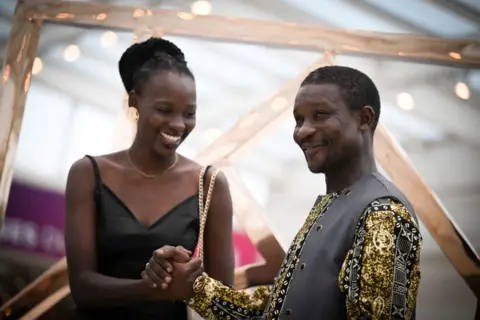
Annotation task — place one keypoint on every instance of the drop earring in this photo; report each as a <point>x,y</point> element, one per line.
<point>133,114</point>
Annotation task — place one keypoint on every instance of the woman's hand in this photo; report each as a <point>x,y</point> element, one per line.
<point>162,260</point>
<point>178,282</point>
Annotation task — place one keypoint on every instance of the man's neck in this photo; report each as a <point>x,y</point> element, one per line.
<point>343,177</point>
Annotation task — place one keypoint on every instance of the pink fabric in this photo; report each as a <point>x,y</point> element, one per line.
<point>245,251</point>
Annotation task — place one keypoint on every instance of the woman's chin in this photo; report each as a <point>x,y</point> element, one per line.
<point>165,149</point>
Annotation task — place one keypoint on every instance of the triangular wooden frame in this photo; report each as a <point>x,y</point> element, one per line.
<point>21,51</point>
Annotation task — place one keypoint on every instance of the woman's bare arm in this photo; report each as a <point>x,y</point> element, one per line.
<point>90,288</point>
<point>218,244</point>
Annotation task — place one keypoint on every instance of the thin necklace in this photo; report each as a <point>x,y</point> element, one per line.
<point>150,176</point>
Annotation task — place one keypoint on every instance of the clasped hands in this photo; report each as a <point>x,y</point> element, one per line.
<point>173,271</point>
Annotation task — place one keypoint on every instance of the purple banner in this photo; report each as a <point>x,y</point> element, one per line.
<point>34,221</point>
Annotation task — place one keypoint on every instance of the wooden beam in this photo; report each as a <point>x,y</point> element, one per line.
<point>430,211</point>
<point>47,304</point>
<point>14,85</point>
<point>458,52</point>
<point>426,49</point>
<point>59,268</point>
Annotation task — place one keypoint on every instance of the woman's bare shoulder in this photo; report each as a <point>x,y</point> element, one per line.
<point>194,168</point>
<point>83,167</point>
<point>192,165</point>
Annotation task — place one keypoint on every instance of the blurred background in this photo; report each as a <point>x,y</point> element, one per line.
<point>76,96</point>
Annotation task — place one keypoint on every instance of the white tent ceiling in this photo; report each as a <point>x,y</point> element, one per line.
<point>72,106</point>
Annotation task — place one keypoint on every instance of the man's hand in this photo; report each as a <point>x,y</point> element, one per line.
<point>172,267</point>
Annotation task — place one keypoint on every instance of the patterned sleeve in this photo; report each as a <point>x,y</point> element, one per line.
<point>380,275</point>
<point>213,300</point>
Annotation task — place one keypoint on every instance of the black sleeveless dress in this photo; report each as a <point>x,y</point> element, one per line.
<point>124,246</point>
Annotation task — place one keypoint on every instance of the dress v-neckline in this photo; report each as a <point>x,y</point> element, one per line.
<point>135,218</point>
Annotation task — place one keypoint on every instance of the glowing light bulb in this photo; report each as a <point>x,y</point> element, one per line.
<point>405,101</point>
<point>201,7</point>
<point>462,90</point>
<point>455,55</point>
<point>71,53</point>
<point>108,39</point>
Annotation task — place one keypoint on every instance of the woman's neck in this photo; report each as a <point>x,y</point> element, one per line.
<point>147,161</point>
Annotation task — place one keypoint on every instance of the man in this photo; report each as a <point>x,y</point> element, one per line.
<point>357,254</point>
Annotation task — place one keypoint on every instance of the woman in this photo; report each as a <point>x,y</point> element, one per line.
<point>123,206</point>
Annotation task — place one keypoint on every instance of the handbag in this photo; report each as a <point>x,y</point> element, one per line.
<point>203,205</point>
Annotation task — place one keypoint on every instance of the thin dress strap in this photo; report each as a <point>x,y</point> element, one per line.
<point>98,179</point>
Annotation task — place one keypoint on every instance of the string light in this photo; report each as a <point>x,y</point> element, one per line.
<point>201,7</point>
<point>71,53</point>
<point>405,101</point>
<point>462,90</point>
<point>108,39</point>
<point>455,55</point>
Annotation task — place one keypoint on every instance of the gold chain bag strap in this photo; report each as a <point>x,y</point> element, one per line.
<point>203,205</point>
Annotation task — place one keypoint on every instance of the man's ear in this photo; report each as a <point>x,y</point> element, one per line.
<point>366,116</point>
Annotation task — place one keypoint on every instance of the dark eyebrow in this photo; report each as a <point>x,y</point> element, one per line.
<point>162,102</point>
<point>323,104</point>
